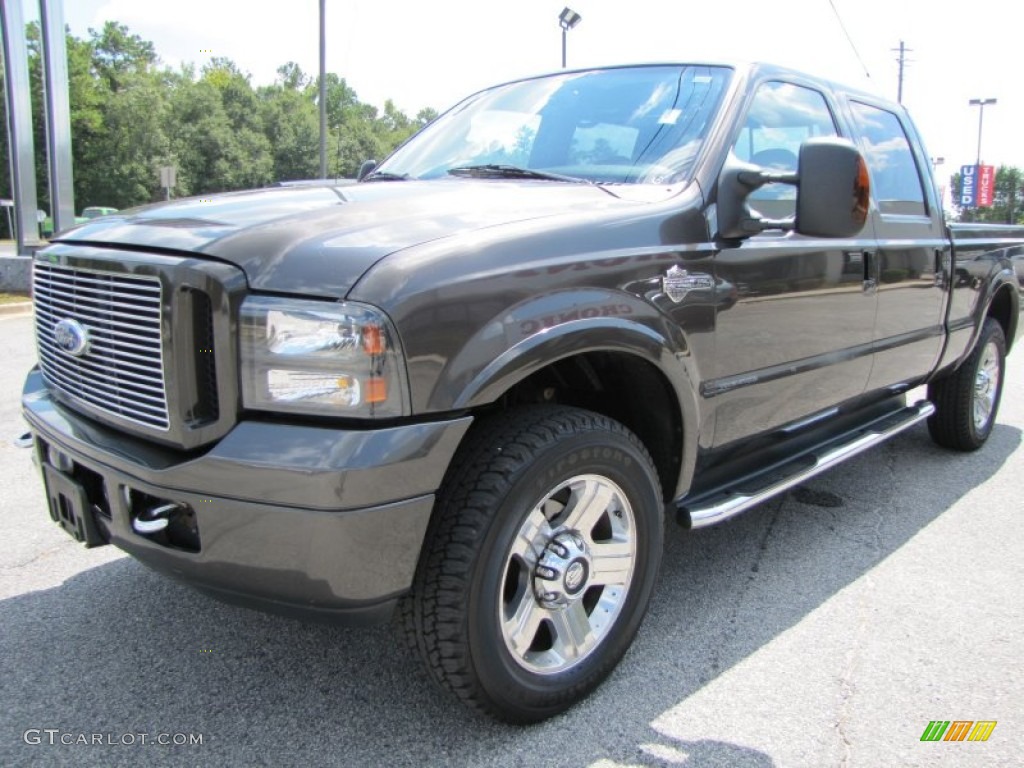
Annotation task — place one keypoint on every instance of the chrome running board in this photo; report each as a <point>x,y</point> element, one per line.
<point>711,509</point>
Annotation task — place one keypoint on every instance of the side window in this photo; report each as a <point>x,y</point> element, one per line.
<point>781,117</point>
<point>896,183</point>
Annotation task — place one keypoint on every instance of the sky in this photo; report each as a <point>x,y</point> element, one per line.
<point>422,54</point>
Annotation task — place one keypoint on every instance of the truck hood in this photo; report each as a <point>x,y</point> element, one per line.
<point>319,240</point>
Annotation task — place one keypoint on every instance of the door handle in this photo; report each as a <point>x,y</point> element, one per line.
<point>870,284</point>
<point>940,268</point>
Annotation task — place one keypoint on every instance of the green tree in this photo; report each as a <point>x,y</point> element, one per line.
<point>130,116</point>
<point>291,76</point>
<point>116,105</point>
<point>126,170</point>
<point>291,125</point>
<point>425,116</point>
<point>119,56</point>
<point>218,137</point>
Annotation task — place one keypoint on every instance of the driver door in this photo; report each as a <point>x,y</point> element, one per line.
<point>797,340</point>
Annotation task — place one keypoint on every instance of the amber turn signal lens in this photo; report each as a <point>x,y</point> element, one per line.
<point>375,391</point>
<point>373,340</point>
<point>861,191</point>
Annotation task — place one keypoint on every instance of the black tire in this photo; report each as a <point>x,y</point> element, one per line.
<point>470,576</point>
<point>967,400</point>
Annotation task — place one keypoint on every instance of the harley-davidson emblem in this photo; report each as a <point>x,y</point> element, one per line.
<point>677,282</point>
<point>71,336</point>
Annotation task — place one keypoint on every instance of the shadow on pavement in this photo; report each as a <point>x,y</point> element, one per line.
<point>118,649</point>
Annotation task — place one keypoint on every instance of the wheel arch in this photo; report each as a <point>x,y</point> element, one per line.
<point>625,370</point>
<point>1004,308</point>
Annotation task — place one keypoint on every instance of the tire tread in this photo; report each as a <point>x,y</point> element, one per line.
<point>434,617</point>
<point>952,425</point>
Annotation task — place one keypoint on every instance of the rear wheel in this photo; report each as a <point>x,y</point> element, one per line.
<point>540,561</point>
<point>966,401</point>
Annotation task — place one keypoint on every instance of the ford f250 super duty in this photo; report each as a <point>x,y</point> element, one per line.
<point>466,390</point>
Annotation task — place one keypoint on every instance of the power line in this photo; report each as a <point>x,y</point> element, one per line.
<point>848,38</point>
<point>903,61</point>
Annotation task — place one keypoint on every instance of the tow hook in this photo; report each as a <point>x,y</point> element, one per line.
<point>154,520</point>
<point>23,441</point>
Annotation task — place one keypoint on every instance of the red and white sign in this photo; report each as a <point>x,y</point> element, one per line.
<point>986,185</point>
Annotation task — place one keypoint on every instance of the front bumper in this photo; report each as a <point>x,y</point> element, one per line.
<point>289,518</point>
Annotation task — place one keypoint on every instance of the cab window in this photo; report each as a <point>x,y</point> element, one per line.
<point>895,180</point>
<point>781,117</point>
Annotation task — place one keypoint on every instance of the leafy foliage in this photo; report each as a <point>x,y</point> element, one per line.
<point>130,116</point>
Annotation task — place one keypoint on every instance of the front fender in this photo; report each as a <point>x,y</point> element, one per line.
<point>546,329</point>
<point>542,349</point>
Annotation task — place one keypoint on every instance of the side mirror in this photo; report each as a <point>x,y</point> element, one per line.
<point>834,189</point>
<point>832,192</point>
<point>365,168</point>
<point>736,219</point>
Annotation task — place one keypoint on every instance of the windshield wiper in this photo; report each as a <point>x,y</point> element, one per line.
<point>499,171</point>
<point>385,176</point>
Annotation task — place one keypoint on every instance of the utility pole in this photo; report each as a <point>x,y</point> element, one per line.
<point>902,60</point>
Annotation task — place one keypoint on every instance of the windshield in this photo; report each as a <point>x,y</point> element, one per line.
<point>638,125</point>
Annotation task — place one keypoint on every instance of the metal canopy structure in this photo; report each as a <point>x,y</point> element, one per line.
<point>19,120</point>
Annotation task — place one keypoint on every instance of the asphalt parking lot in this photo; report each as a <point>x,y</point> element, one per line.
<point>825,628</point>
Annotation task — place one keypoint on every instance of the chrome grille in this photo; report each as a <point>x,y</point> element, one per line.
<point>122,370</point>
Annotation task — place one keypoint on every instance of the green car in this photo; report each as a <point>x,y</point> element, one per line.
<point>92,212</point>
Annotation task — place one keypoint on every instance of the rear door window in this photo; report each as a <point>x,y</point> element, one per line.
<point>895,177</point>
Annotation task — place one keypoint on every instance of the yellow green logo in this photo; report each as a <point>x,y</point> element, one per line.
<point>958,730</point>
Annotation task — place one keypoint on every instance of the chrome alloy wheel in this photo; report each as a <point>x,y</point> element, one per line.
<point>568,573</point>
<point>986,386</point>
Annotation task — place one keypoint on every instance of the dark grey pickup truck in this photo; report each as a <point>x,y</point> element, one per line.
<point>466,390</point>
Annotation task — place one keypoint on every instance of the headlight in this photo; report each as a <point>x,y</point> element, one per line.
<point>341,359</point>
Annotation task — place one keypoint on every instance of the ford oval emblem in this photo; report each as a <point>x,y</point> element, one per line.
<point>71,336</point>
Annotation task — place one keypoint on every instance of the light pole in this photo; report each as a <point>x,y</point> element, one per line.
<point>936,162</point>
<point>980,104</point>
<point>567,19</point>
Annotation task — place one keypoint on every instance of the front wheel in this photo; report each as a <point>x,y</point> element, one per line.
<point>967,400</point>
<point>540,561</point>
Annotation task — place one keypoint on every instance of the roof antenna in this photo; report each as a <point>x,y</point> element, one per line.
<point>849,39</point>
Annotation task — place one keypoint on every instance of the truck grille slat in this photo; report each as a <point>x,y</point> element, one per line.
<point>108,331</point>
<point>133,379</point>
<point>119,354</point>
<point>103,348</point>
<point>101,396</point>
<point>78,277</point>
<point>99,337</point>
<point>122,372</point>
<point>87,309</point>
<point>116,297</point>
